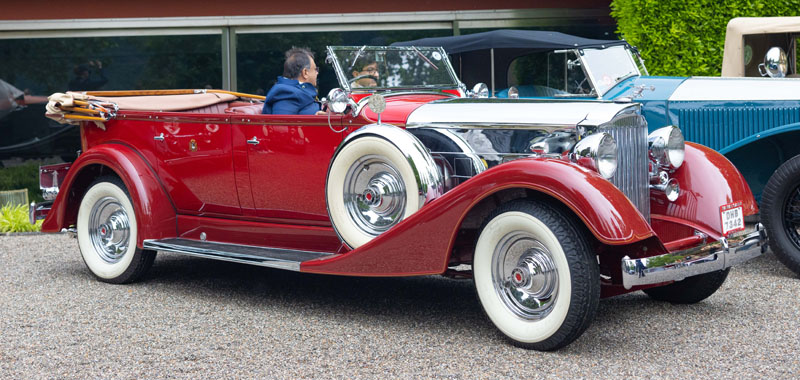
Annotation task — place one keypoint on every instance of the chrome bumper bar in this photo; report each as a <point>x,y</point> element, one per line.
<point>675,266</point>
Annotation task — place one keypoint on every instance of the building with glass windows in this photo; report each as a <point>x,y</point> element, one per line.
<point>116,45</point>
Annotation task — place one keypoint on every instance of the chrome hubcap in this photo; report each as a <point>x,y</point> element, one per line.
<point>109,229</point>
<point>525,276</point>
<point>374,194</point>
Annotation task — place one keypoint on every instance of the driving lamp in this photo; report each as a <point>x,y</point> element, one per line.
<point>667,146</point>
<point>597,152</point>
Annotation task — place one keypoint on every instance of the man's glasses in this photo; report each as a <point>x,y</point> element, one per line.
<point>316,69</point>
<point>370,70</point>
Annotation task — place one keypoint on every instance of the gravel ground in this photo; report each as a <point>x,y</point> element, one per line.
<point>195,318</point>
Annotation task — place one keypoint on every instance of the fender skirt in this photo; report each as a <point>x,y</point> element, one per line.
<point>155,213</point>
<point>421,244</point>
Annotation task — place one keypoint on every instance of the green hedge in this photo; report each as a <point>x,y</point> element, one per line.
<point>684,38</point>
<point>24,176</point>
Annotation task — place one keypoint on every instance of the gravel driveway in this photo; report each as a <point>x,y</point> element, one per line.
<point>196,318</point>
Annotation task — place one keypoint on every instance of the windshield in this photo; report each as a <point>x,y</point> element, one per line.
<point>607,67</point>
<point>374,68</point>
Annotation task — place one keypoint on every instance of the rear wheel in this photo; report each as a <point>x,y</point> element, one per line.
<point>535,275</point>
<point>107,233</point>
<point>781,213</point>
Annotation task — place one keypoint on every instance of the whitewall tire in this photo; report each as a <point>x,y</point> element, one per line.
<point>107,233</point>
<point>535,274</point>
<point>371,187</point>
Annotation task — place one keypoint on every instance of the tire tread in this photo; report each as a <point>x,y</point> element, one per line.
<point>585,273</point>
<point>778,188</point>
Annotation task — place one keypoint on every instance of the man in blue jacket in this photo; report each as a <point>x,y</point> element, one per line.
<point>296,91</point>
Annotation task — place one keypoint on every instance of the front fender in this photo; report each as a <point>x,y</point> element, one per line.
<point>707,181</point>
<point>421,244</point>
<point>155,213</point>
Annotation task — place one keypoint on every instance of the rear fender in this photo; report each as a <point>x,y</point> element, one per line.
<point>421,244</point>
<point>707,181</point>
<point>156,215</point>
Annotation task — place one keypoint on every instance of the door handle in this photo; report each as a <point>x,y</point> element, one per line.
<point>159,137</point>
<point>253,141</point>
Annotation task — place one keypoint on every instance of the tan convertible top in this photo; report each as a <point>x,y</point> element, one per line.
<point>739,27</point>
<point>166,102</point>
<point>100,106</point>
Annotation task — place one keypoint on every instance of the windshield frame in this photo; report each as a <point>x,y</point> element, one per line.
<point>591,74</point>
<point>344,79</point>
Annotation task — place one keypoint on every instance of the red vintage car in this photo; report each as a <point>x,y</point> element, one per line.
<point>547,205</point>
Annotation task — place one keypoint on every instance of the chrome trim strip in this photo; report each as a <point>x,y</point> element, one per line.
<point>727,89</point>
<point>675,266</point>
<point>280,258</point>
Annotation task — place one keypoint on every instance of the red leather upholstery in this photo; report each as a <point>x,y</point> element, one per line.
<point>214,108</point>
<point>252,109</point>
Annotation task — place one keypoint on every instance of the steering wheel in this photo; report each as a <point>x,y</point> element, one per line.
<point>351,80</point>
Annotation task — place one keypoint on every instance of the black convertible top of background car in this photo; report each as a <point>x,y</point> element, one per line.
<point>530,40</point>
<point>472,54</point>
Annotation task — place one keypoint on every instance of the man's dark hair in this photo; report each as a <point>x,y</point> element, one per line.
<point>363,61</point>
<point>297,59</point>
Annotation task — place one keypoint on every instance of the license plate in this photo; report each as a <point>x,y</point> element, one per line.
<point>732,218</point>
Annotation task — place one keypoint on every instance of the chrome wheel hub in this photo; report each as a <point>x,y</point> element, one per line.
<point>525,276</point>
<point>374,194</point>
<point>109,229</point>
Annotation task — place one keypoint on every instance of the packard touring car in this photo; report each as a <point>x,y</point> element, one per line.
<point>754,122</point>
<point>546,205</point>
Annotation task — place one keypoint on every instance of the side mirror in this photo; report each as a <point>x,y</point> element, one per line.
<point>338,100</point>
<point>775,63</point>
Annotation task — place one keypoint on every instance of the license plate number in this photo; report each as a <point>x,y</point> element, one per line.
<point>732,218</point>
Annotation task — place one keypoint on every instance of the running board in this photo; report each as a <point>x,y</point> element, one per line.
<point>246,254</point>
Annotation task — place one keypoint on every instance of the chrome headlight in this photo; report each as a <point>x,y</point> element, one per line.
<point>667,146</point>
<point>597,152</point>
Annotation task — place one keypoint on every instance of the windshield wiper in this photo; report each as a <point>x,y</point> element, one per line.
<point>419,53</point>
<point>358,54</point>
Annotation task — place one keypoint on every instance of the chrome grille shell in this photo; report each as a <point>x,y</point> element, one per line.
<point>630,130</point>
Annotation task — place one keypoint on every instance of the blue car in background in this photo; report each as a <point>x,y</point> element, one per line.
<point>754,122</point>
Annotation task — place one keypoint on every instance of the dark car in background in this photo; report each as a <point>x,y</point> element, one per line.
<point>27,133</point>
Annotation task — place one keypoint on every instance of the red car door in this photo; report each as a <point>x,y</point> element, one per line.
<point>287,159</point>
<point>196,164</point>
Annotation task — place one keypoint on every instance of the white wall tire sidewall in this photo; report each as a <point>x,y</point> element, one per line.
<point>96,264</point>
<point>352,235</point>
<point>516,328</point>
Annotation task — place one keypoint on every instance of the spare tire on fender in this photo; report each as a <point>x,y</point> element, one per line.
<point>379,175</point>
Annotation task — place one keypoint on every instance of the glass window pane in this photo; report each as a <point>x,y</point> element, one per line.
<point>40,67</point>
<point>260,56</point>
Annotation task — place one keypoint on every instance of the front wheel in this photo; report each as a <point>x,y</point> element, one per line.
<point>781,213</point>
<point>535,275</point>
<point>107,233</point>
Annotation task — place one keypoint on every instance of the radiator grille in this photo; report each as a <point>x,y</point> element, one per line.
<point>630,131</point>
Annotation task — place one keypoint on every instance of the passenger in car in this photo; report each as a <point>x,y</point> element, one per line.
<point>295,93</point>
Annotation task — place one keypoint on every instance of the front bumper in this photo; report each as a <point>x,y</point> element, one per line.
<point>675,266</point>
